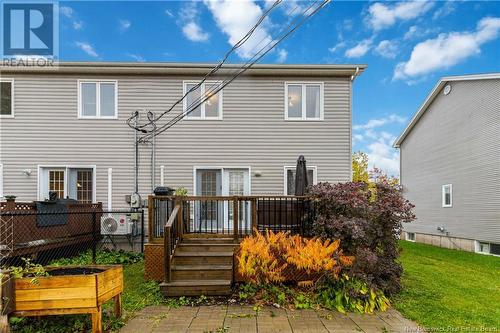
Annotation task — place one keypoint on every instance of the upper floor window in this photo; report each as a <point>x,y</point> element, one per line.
<point>97,99</point>
<point>447,195</point>
<point>304,101</point>
<point>290,178</point>
<point>210,109</point>
<point>7,97</point>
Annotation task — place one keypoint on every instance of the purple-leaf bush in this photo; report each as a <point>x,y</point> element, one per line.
<point>368,220</point>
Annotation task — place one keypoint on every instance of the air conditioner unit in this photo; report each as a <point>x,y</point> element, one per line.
<point>116,225</point>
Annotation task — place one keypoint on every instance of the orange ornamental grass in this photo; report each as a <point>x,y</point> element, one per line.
<point>263,258</point>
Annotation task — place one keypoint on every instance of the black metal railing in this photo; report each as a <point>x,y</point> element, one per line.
<point>235,216</point>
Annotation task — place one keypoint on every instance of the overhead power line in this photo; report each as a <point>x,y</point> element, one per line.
<point>298,21</point>
<point>211,72</point>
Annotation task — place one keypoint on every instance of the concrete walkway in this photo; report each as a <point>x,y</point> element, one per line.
<point>243,319</point>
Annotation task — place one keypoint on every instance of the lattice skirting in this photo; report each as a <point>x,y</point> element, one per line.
<point>154,266</point>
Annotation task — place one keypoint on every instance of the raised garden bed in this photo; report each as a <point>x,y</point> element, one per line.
<point>70,290</point>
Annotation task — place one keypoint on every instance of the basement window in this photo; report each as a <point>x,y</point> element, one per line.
<point>488,248</point>
<point>410,236</point>
<point>447,195</point>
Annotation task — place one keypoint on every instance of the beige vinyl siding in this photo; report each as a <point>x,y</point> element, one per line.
<point>253,133</point>
<point>456,142</point>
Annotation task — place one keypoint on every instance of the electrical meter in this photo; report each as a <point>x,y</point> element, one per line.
<point>135,200</point>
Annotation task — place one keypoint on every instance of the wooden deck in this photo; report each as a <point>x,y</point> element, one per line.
<point>192,239</point>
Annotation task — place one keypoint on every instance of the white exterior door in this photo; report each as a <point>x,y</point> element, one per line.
<point>236,182</point>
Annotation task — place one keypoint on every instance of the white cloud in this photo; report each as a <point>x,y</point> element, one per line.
<point>337,47</point>
<point>169,13</point>
<point>282,55</point>
<point>381,16</point>
<point>124,25</point>
<point>136,57</point>
<point>412,32</point>
<point>387,49</point>
<point>235,18</point>
<point>382,155</point>
<point>189,20</point>
<point>87,48</point>
<point>66,11</point>
<point>77,25</point>
<point>378,143</point>
<point>447,50</point>
<point>70,14</point>
<point>445,10</point>
<point>194,33</point>
<point>374,123</point>
<point>359,49</point>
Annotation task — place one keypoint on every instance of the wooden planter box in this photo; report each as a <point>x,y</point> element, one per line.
<point>70,294</point>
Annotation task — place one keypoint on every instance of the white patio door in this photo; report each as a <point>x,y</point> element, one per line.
<point>209,215</point>
<point>236,182</point>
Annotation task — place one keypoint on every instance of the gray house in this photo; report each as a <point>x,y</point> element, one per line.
<point>63,129</point>
<point>450,165</point>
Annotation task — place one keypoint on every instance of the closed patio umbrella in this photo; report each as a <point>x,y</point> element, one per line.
<point>301,177</point>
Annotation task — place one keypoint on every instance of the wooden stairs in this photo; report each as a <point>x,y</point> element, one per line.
<point>201,266</point>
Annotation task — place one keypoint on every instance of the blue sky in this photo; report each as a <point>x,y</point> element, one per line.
<point>408,46</point>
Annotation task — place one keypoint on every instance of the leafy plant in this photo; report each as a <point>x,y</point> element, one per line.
<point>351,295</point>
<point>103,257</point>
<point>368,227</point>
<point>262,258</point>
<point>181,191</point>
<point>29,269</point>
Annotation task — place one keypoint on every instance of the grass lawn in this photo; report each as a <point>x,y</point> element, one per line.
<point>449,288</point>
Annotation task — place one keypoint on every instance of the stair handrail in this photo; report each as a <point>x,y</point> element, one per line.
<point>171,237</point>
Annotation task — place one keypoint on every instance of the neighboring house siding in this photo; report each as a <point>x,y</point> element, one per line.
<point>457,141</point>
<point>253,133</point>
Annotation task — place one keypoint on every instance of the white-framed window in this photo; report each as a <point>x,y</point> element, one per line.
<point>304,100</point>
<point>6,98</point>
<point>410,236</point>
<point>447,195</point>
<point>1,180</point>
<point>98,99</point>
<point>211,109</point>
<point>289,178</point>
<point>488,248</point>
<point>74,182</point>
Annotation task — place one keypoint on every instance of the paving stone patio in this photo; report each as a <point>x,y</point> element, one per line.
<point>243,319</point>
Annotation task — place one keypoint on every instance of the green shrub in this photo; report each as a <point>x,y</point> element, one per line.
<point>103,257</point>
<point>351,295</point>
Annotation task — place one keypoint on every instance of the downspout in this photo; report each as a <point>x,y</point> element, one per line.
<point>136,155</point>
<point>152,118</point>
<point>355,74</point>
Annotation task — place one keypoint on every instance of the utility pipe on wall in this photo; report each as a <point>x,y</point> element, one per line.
<point>110,188</point>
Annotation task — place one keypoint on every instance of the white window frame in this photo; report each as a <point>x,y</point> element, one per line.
<point>11,80</point>
<point>478,248</point>
<point>223,170</point>
<point>1,180</point>
<point>303,84</point>
<point>202,106</point>
<point>443,196</point>
<point>408,238</point>
<point>285,179</point>
<point>98,99</point>
<point>66,169</point>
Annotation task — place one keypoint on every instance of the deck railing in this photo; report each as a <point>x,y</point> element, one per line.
<point>172,236</point>
<point>233,216</point>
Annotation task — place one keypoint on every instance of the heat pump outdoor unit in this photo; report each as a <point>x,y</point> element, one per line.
<point>116,225</point>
